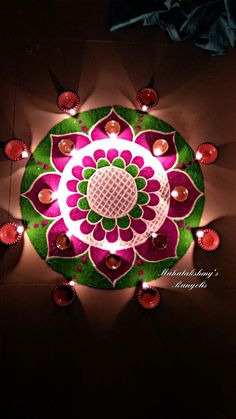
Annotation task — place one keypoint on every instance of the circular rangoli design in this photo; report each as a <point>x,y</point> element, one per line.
<point>109,209</point>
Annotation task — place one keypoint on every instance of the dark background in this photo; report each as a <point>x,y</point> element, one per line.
<point>105,356</point>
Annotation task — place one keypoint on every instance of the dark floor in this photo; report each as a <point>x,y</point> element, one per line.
<point>104,357</point>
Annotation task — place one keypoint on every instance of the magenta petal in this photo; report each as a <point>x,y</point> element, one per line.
<point>127,156</point>
<point>98,257</point>
<point>72,185</point>
<point>99,154</point>
<point>112,154</point>
<point>50,181</point>
<point>138,225</point>
<point>77,247</point>
<point>182,209</point>
<point>73,199</point>
<point>126,235</point>
<point>77,214</point>
<point>147,139</point>
<point>98,232</point>
<point>150,253</point>
<point>86,228</point>
<point>148,213</point>
<point>77,172</point>
<point>152,185</point>
<point>59,159</point>
<point>147,172</point>
<point>139,161</point>
<point>154,199</point>
<point>98,132</point>
<point>112,236</point>
<point>88,162</point>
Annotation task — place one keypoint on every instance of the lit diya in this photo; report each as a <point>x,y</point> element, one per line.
<point>15,149</point>
<point>63,294</point>
<point>208,239</point>
<point>160,147</point>
<point>112,128</point>
<point>10,233</point>
<point>147,98</point>
<point>159,241</point>
<point>180,193</point>
<point>46,196</point>
<point>148,296</point>
<point>207,153</point>
<point>62,241</point>
<point>66,146</point>
<point>113,261</point>
<point>68,102</point>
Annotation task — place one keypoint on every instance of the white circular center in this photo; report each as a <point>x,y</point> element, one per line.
<point>112,192</point>
<point>161,209</point>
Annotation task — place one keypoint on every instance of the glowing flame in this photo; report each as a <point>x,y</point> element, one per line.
<point>20,229</point>
<point>72,112</point>
<point>145,285</point>
<point>174,194</point>
<point>154,235</point>
<point>198,155</point>
<point>144,108</point>
<point>24,154</point>
<point>200,234</point>
<point>72,283</point>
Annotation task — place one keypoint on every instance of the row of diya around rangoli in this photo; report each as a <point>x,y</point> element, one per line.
<point>68,102</point>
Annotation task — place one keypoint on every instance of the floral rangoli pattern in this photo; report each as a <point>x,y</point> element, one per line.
<point>112,196</point>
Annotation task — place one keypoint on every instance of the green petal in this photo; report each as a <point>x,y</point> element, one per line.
<point>102,163</point>
<point>136,212</point>
<point>87,173</point>
<point>123,222</point>
<point>83,204</point>
<point>108,223</point>
<point>132,169</point>
<point>140,182</point>
<point>118,162</point>
<point>83,186</point>
<point>93,217</point>
<point>143,198</point>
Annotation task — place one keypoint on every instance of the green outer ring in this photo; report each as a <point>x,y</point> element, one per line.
<point>69,267</point>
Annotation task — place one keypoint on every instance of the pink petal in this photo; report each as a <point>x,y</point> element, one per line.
<point>127,156</point>
<point>98,257</point>
<point>98,131</point>
<point>138,225</point>
<point>72,185</point>
<point>152,185</point>
<point>147,172</point>
<point>86,228</point>
<point>77,214</point>
<point>73,199</point>
<point>182,209</point>
<point>99,154</point>
<point>148,213</point>
<point>126,235</point>
<point>154,199</point>
<point>50,181</point>
<point>147,139</point>
<point>77,172</point>
<point>88,162</point>
<point>98,232</point>
<point>139,161</point>
<point>59,159</point>
<point>76,248</point>
<point>112,236</point>
<point>112,154</point>
<point>149,252</point>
